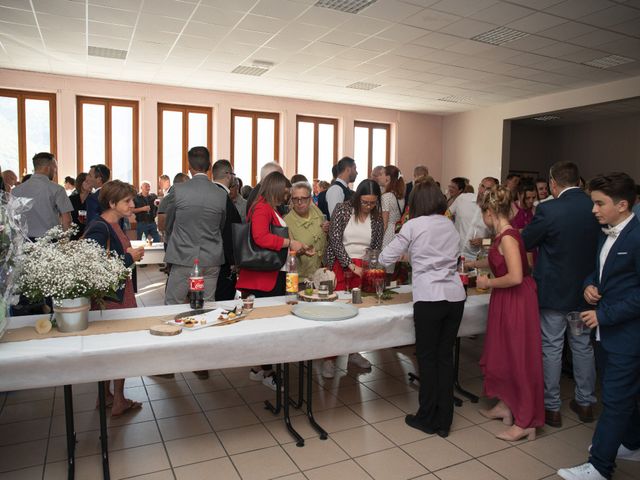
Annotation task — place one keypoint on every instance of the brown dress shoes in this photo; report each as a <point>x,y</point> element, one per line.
<point>584,412</point>
<point>553,418</point>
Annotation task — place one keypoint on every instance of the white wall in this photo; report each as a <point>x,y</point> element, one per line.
<point>473,141</point>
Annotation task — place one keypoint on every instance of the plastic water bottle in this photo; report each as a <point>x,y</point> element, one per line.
<point>292,279</point>
<point>196,287</point>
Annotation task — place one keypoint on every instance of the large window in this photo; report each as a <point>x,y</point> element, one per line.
<point>316,147</point>
<point>27,126</point>
<point>371,146</point>
<point>181,127</point>
<point>254,142</point>
<point>107,132</point>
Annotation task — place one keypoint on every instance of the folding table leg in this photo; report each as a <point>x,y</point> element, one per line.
<point>71,432</point>
<point>267,404</point>
<point>312,420</point>
<point>287,418</point>
<point>103,430</point>
<point>300,401</point>
<point>456,369</point>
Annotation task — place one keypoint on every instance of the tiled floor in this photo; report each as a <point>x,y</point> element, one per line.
<point>192,429</point>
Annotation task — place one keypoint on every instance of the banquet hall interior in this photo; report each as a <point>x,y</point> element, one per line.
<point>467,88</point>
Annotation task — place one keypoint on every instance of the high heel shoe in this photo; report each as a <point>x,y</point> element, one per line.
<point>507,417</point>
<point>513,435</point>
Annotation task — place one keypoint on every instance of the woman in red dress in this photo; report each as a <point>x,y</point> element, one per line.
<point>512,357</point>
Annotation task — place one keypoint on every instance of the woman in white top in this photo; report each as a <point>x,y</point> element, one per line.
<point>392,202</point>
<point>433,245</point>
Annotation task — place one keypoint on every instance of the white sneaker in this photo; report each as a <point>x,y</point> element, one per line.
<point>260,375</point>
<point>359,361</point>
<point>586,471</point>
<point>625,454</point>
<point>270,382</point>
<point>329,368</point>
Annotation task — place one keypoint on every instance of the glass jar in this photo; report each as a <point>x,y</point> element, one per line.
<point>372,269</point>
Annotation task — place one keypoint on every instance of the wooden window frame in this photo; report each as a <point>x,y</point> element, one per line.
<point>185,110</point>
<point>254,115</point>
<point>108,103</point>
<point>317,121</point>
<point>22,96</point>
<point>372,126</point>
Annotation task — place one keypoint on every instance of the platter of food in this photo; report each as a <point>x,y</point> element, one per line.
<point>324,311</point>
<point>218,316</point>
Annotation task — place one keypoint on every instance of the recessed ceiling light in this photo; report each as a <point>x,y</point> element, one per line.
<point>348,6</point>
<point>546,118</point>
<point>499,36</point>
<point>257,68</point>
<point>456,99</point>
<point>609,61</point>
<point>107,52</point>
<point>363,86</point>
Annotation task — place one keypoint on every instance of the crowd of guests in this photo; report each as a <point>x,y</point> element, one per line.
<point>549,256</point>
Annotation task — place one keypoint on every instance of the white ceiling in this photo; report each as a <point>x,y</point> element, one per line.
<point>418,51</point>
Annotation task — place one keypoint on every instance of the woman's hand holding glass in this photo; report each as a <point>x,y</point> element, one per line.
<point>482,282</point>
<point>136,253</point>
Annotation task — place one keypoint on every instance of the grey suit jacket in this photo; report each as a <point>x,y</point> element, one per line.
<point>195,216</point>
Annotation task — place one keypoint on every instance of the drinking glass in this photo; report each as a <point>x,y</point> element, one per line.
<point>379,284</point>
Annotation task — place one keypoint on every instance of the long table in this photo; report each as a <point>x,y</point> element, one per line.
<point>280,340</point>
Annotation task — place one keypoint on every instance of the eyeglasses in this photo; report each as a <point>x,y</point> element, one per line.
<point>300,199</point>
<point>365,203</point>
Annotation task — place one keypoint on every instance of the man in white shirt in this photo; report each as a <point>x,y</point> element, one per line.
<point>340,192</point>
<point>468,219</point>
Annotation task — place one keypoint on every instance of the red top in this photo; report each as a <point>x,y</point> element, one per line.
<point>261,216</point>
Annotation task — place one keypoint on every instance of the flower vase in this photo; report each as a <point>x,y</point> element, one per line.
<point>72,314</point>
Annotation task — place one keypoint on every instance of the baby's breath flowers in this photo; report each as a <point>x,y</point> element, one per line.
<point>56,266</point>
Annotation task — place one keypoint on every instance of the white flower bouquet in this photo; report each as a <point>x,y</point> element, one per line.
<point>56,266</point>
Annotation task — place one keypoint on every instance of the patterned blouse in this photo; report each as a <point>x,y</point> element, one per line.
<point>339,220</point>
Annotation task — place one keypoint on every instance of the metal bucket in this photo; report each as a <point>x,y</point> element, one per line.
<point>72,314</point>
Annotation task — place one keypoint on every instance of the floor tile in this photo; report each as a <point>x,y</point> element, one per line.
<point>137,461</point>
<point>14,433</point>
<point>516,465</point>
<point>399,432</point>
<point>188,450</point>
<point>244,439</point>
<point>220,399</point>
<point>256,393</point>
<point>315,453</point>
<point>22,455</point>
<point>377,410</point>
<point>361,441</point>
<point>163,475</point>
<point>168,390</point>
<point>554,452</point>
<point>358,393</point>
<point>86,467</point>
<point>435,453</point>
<point>476,441</point>
<point>264,464</point>
<point>30,395</point>
<point>222,467</point>
<point>338,419</point>
<point>278,429</point>
<point>184,426</point>
<point>212,384</point>
<point>388,387</point>
<point>347,469</point>
<point>20,412</point>
<point>24,474</point>
<point>392,464</point>
<point>233,417</point>
<point>579,436</point>
<point>173,407</point>
<point>407,402</point>
<point>465,471</point>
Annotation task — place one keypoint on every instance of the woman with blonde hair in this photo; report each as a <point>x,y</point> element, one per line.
<point>512,356</point>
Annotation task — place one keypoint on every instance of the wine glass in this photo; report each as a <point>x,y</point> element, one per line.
<point>379,284</point>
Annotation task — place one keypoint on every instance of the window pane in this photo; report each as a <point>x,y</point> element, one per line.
<point>9,135</point>
<point>361,152</point>
<point>122,144</point>
<point>171,143</point>
<point>198,130</point>
<point>379,154</point>
<point>37,127</point>
<point>242,136</point>
<point>266,142</point>
<point>326,134</point>
<point>305,149</point>
<point>92,135</point>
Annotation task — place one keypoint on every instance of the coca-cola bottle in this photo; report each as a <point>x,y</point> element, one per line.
<point>464,276</point>
<point>196,287</point>
<point>292,279</point>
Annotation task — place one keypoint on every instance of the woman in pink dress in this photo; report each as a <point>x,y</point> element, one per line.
<point>512,357</point>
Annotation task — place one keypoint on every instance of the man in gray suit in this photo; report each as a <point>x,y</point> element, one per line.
<point>195,218</point>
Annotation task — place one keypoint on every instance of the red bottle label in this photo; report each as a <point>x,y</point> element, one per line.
<point>465,278</point>
<point>196,284</point>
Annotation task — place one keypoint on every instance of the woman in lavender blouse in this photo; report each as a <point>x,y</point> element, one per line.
<point>432,243</point>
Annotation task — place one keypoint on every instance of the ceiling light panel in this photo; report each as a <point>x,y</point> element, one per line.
<point>252,70</point>
<point>107,52</point>
<point>456,99</point>
<point>347,6</point>
<point>500,36</point>
<point>609,61</point>
<point>363,86</point>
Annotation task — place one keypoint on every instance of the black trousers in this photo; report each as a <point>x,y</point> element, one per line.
<point>226,286</point>
<point>436,325</point>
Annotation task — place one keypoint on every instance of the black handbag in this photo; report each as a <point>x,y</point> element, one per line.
<point>251,256</point>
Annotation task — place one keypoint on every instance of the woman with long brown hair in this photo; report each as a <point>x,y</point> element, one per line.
<point>392,201</point>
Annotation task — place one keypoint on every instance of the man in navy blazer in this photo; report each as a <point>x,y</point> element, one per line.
<point>613,289</point>
<point>566,235</point>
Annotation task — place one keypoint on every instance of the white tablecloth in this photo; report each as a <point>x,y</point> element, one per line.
<point>81,359</point>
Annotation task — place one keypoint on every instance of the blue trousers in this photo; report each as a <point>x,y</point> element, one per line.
<point>619,422</point>
<point>149,229</point>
